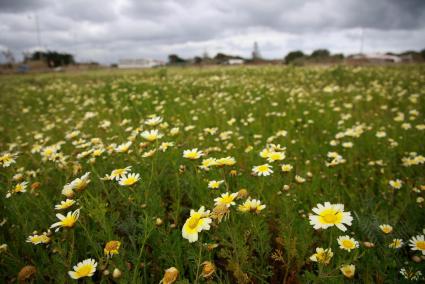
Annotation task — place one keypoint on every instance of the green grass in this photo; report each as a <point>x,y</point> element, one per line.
<point>311,104</point>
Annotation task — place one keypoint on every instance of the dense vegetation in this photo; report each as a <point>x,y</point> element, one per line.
<point>291,138</point>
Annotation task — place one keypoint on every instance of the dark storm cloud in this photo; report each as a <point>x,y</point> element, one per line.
<point>17,6</point>
<point>109,30</point>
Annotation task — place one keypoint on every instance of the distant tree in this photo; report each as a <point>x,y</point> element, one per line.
<point>422,52</point>
<point>53,58</point>
<point>197,60</point>
<point>291,56</point>
<point>175,59</point>
<point>320,53</point>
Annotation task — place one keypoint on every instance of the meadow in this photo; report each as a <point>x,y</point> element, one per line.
<point>214,175</point>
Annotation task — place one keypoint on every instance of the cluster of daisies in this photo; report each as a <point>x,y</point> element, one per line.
<point>123,176</point>
<point>328,215</point>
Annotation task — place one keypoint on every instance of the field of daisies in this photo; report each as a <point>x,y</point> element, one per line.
<point>214,175</point>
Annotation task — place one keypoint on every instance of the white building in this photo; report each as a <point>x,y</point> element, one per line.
<point>378,57</point>
<point>138,63</point>
<point>235,61</point>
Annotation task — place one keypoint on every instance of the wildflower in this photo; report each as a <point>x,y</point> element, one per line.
<point>348,270</point>
<point>165,145</point>
<point>153,121</point>
<point>130,179</point>
<point>227,161</point>
<point>219,212</point>
<point>299,179</point>
<point>286,168</point>
<point>251,205</point>
<point>207,163</point>
<point>208,269</point>
<point>193,154</point>
<point>19,188</point>
<point>123,148</point>
<point>329,215</point>
<point>65,204</point>
<point>6,159</point>
<point>322,255</point>
<point>347,243</point>
<point>67,221</point>
<point>275,156</point>
<point>86,268</point>
<point>214,184</point>
<point>418,243</point>
<point>117,174</point>
<point>262,170</point>
<point>396,184</point>
<point>386,228</point>
<point>396,243</point>
<point>81,183</point>
<point>68,191</point>
<point>226,199</point>
<point>111,248</point>
<point>151,135</point>
<point>410,274</point>
<point>170,276</point>
<point>197,222</point>
<point>38,239</point>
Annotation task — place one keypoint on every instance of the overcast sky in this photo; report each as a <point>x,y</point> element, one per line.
<point>107,30</point>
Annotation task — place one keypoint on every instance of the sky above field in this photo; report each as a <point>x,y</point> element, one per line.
<point>106,31</point>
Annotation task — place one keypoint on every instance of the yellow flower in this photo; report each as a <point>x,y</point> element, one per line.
<point>112,248</point>
<point>396,184</point>
<point>197,222</point>
<point>251,205</point>
<point>322,255</point>
<point>287,168</point>
<point>193,154</point>
<point>6,159</point>
<point>65,204</point>
<point>275,156</point>
<point>170,276</point>
<point>214,184</point>
<point>262,170</point>
<point>151,135</point>
<point>86,268</point>
<point>329,215</point>
<point>67,221</point>
<point>117,173</point>
<point>226,199</point>
<point>38,239</point>
<point>386,228</point>
<point>227,161</point>
<point>396,243</point>
<point>418,243</point>
<point>347,243</point>
<point>348,270</point>
<point>19,188</point>
<point>129,180</point>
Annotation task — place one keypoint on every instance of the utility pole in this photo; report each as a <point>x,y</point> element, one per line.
<point>361,41</point>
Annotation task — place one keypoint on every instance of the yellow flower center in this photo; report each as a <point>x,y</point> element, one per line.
<point>330,216</point>
<point>227,199</point>
<point>347,244</point>
<point>263,168</point>
<point>421,245</point>
<point>69,221</point>
<point>193,221</point>
<point>192,155</point>
<point>130,181</point>
<point>84,270</point>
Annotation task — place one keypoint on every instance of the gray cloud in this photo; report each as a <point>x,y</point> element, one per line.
<point>109,30</point>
